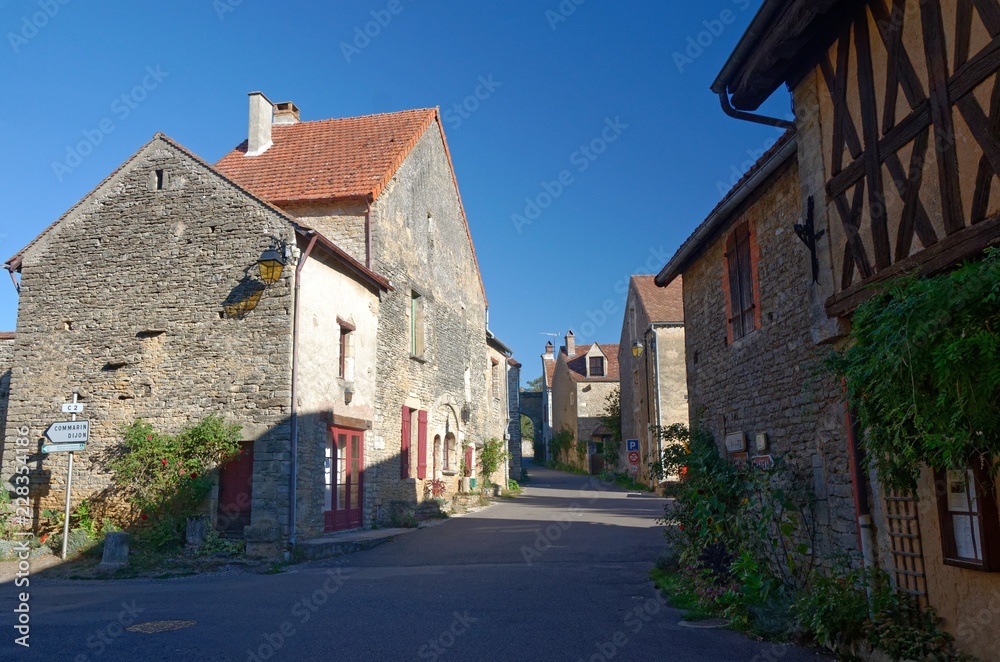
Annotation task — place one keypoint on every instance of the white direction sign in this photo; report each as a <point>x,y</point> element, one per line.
<point>62,448</point>
<point>73,408</point>
<point>67,432</point>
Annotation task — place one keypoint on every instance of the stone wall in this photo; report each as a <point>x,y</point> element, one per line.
<point>771,380</point>
<point>343,223</point>
<point>6,363</point>
<point>420,243</point>
<point>124,302</point>
<point>514,420</point>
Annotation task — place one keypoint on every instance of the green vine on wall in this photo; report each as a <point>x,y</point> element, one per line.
<point>922,372</point>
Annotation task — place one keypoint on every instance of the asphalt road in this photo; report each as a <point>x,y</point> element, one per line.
<point>557,574</point>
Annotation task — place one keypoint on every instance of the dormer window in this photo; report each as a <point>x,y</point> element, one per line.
<point>596,366</point>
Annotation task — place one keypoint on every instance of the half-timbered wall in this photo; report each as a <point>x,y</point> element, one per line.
<point>909,111</point>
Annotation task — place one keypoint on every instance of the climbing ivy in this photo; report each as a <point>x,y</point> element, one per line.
<point>921,369</point>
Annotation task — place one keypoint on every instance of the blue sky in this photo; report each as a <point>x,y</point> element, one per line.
<point>593,149</point>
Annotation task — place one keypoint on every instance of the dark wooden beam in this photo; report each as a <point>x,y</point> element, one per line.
<point>950,251</point>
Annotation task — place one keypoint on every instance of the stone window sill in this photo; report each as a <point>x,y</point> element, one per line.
<point>418,359</point>
<point>448,472</point>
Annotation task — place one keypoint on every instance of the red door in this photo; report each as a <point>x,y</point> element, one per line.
<point>346,456</point>
<point>236,491</point>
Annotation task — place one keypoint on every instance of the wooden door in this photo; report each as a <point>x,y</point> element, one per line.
<point>236,491</point>
<point>346,456</point>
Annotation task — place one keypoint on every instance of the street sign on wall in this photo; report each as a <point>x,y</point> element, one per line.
<point>73,408</point>
<point>67,432</point>
<point>632,445</point>
<point>633,457</point>
<point>633,469</point>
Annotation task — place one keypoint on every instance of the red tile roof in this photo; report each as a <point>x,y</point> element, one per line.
<point>6,335</point>
<point>662,304</point>
<point>550,370</point>
<point>337,159</point>
<point>351,157</point>
<point>577,363</point>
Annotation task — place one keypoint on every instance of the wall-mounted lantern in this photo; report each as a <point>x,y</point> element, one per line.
<point>271,264</point>
<point>348,394</point>
<point>637,348</point>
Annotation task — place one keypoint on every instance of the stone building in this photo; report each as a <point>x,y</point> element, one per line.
<point>514,446</point>
<point>356,376</point>
<point>874,86</point>
<point>543,434</point>
<point>6,363</point>
<point>498,387</point>
<point>653,384</point>
<point>582,379</point>
<point>175,324</point>
<point>383,188</point>
<point>750,355</point>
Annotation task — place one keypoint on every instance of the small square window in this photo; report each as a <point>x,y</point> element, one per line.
<point>596,366</point>
<point>970,528</point>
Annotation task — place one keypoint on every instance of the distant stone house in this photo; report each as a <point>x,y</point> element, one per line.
<point>582,379</point>
<point>341,372</point>
<point>654,384</point>
<point>894,158</point>
<point>498,384</point>
<point>514,441</point>
<point>543,434</point>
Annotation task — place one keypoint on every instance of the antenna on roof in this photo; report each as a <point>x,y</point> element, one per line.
<point>554,335</point>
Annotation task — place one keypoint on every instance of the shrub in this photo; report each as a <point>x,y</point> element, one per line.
<point>492,457</point>
<point>164,476</point>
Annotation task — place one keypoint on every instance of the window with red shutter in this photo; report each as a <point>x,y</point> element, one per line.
<point>421,445</point>
<point>404,453</point>
<point>739,271</point>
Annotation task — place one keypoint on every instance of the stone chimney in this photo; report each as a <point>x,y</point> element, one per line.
<point>261,112</point>
<point>570,344</point>
<point>286,112</point>
<point>548,355</point>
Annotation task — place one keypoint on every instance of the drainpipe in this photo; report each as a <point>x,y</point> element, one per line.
<point>295,382</point>
<point>656,380</point>
<point>862,508</point>
<point>728,109</point>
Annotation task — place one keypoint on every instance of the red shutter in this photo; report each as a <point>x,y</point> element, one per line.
<point>421,445</point>
<point>404,446</point>
<point>469,469</point>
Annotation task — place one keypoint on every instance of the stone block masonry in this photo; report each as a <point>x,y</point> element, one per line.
<point>6,363</point>
<point>122,301</point>
<point>772,380</point>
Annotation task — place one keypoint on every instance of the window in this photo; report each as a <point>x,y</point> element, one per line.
<point>596,366</point>
<point>450,453</point>
<point>970,526</point>
<point>416,324</point>
<point>160,180</point>
<point>346,367</point>
<point>741,307</point>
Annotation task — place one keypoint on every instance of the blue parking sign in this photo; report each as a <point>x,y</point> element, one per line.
<point>632,444</point>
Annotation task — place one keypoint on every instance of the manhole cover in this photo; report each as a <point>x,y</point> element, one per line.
<point>153,627</point>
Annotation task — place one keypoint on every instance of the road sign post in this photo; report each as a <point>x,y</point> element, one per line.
<point>68,436</point>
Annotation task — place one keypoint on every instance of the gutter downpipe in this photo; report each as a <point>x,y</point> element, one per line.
<point>292,492</point>
<point>728,109</point>
<point>709,226</point>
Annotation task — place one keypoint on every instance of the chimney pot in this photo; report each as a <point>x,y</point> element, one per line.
<point>261,112</point>
<point>286,112</point>
<point>570,344</point>
<point>548,350</point>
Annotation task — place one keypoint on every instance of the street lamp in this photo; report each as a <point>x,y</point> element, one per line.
<point>271,264</point>
<point>637,348</point>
